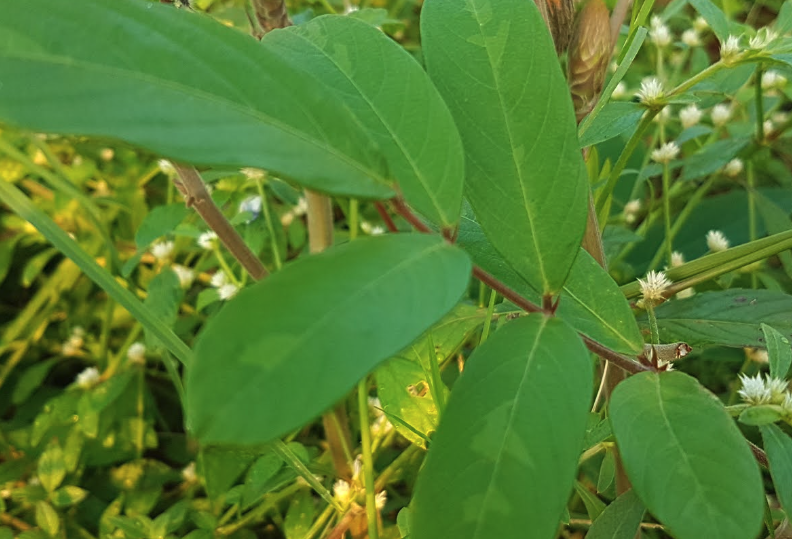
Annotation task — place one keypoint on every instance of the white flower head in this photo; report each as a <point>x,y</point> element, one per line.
<point>717,241</point>
<point>773,80</point>
<point>653,286</point>
<point>660,35</point>
<point>188,473</point>
<point>754,390</point>
<point>218,279</point>
<point>768,127</point>
<point>677,259</point>
<point>342,492</point>
<point>631,210</point>
<point>757,355</point>
<point>78,331</point>
<point>186,275</point>
<point>208,240</point>
<point>700,24</point>
<point>777,388</point>
<point>730,49</point>
<point>137,353</point>
<point>162,250</point>
<point>227,291</point>
<point>301,208</point>
<point>620,91</point>
<point>166,167</point>
<point>786,405</point>
<point>763,38</point>
<point>381,426</point>
<point>734,167</point>
<point>651,92</point>
<point>665,153</point>
<point>691,38</point>
<point>690,116</point>
<point>88,378</point>
<point>252,205</point>
<point>252,173</point>
<point>380,499</point>
<point>721,113</point>
<point>69,349</point>
<point>357,467</point>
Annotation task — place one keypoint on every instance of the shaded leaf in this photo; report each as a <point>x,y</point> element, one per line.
<point>620,520</point>
<point>160,221</point>
<point>51,466</point>
<point>778,446</point>
<point>613,120</point>
<point>712,158</point>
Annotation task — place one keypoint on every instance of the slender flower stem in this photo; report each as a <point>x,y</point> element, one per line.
<point>368,461</point>
<point>669,234</point>
<point>434,376</point>
<point>759,100</point>
<point>354,218</point>
<point>655,338</point>
<point>225,267</point>
<point>270,228</point>
<point>751,180</point>
<point>488,319</point>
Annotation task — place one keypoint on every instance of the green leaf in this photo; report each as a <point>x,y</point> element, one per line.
<point>158,222</point>
<point>712,158</point>
<point>776,220</point>
<point>393,98</point>
<point>783,23</point>
<point>503,460</point>
<point>726,318</point>
<point>778,446</point>
<point>164,295</point>
<point>68,496</point>
<point>6,533</point>
<point>615,118</point>
<point>299,516</point>
<point>51,466</point>
<point>686,459</point>
<point>779,352</point>
<point>186,87</point>
<point>47,518</point>
<point>620,520</point>
<point>716,19</point>
<point>761,415</point>
<point>221,466</point>
<point>258,480</point>
<point>263,365</point>
<point>31,380</point>
<point>594,506</point>
<point>495,64</point>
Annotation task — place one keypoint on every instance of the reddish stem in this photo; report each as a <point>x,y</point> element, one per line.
<point>383,212</point>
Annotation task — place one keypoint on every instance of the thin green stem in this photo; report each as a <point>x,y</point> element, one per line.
<point>669,234</point>
<point>140,408</point>
<point>319,523</point>
<point>436,380</point>
<point>107,320</point>
<point>751,180</point>
<point>488,319</point>
<point>368,460</point>
<point>759,100</point>
<point>259,512</point>
<point>390,473</point>
<point>354,218</point>
<point>655,332</point>
<point>225,267</point>
<point>268,220</point>
<point>296,464</point>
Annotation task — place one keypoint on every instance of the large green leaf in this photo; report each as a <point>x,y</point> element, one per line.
<point>503,460</point>
<point>179,84</point>
<point>685,457</point>
<point>778,446</point>
<point>591,301</point>
<point>285,349</point>
<point>393,98</point>
<point>495,64</point>
<point>726,318</point>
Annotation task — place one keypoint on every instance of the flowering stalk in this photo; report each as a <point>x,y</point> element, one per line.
<point>268,220</point>
<point>368,461</point>
<point>589,53</point>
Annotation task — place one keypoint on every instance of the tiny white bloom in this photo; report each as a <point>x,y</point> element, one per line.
<point>660,35</point>
<point>106,154</point>
<point>227,291</point>
<point>166,167</point>
<point>381,426</point>
<point>88,378</point>
<point>631,210</point>
<point>162,250</point>
<point>357,467</point>
<point>620,91</point>
<point>301,207</point>
<point>380,500</point>
<point>654,285</point>
<point>768,127</point>
<point>786,405</point>
<point>773,80</point>
<point>287,218</point>
<point>350,9</point>
<point>677,259</point>
<point>252,205</point>
<point>754,390</point>
<point>651,91</point>
<point>700,24</point>
<point>188,473</point>
<point>219,279</point>
<point>342,492</point>
<point>690,116</point>
<point>34,481</point>
<point>721,113</point>
<point>78,331</point>
<point>137,353</point>
<point>186,275</point>
<point>762,39</point>
<point>208,240</point>
<point>777,388</point>
<point>377,230</point>
<point>69,350</point>
<point>716,241</point>
<point>734,167</point>
<point>665,153</point>
<point>691,38</point>
<point>730,49</point>
<point>758,355</point>
<point>252,173</point>
<point>686,293</point>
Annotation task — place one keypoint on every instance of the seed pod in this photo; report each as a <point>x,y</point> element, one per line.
<point>558,16</point>
<point>589,54</point>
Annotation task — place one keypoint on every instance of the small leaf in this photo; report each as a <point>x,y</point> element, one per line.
<point>778,446</point>
<point>779,352</point>
<point>262,369</point>
<point>620,520</point>
<point>68,496</point>
<point>51,466</point>
<point>299,516</point>
<point>761,415</point>
<point>496,67</point>
<point>614,119</point>
<point>47,518</point>
<point>594,506</point>
<point>164,297</point>
<point>503,460</point>
<point>160,221</point>
<point>259,478</point>
<point>686,459</point>
<point>221,466</point>
<point>716,19</point>
<point>712,158</point>
<point>31,379</point>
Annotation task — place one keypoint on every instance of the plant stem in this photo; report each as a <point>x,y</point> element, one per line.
<point>434,376</point>
<point>751,179</point>
<point>655,332</point>
<point>296,464</point>
<point>261,510</point>
<point>669,234</point>
<point>368,461</point>
<point>268,220</point>
<point>354,218</point>
<point>488,319</point>
<point>758,99</point>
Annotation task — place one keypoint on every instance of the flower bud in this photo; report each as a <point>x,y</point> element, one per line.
<point>558,16</point>
<point>589,54</point>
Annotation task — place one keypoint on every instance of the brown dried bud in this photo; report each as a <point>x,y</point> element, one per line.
<point>589,54</point>
<point>271,14</point>
<point>558,16</point>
